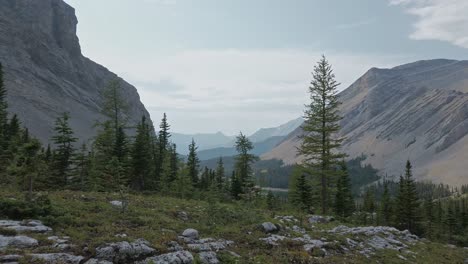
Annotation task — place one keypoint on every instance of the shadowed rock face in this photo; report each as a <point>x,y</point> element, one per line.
<point>46,74</point>
<point>417,111</point>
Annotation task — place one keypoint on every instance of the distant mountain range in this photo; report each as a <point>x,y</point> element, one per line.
<point>417,111</point>
<point>217,144</point>
<point>282,130</point>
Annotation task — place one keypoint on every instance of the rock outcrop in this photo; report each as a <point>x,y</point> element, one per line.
<point>417,111</point>
<point>45,72</point>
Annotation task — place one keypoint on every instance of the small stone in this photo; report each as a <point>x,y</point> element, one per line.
<point>179,257</point>
<point>116,203</point>
<point>190,233</point>
<point>269,227</point>
<point>62,258</point>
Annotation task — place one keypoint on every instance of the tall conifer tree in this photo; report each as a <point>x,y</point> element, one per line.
<point>320,142</point>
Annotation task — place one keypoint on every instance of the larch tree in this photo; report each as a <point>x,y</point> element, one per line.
<point>63,139</point>
<point>193,163</point>
<point>320,142</point>
<point>244,161</point>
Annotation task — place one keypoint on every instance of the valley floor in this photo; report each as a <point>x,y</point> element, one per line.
<point>85,225</point>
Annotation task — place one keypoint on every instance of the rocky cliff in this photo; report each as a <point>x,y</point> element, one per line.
<point>46,74</point>
<point>417,111</point>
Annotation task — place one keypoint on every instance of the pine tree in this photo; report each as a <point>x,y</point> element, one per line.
<point>270,200</point>
<point>141,156</point>
<point>302,196</point>
<point>244,161</point>
<point>320,143</point>
<point>385,210</point>
<point>220,174</point>
<point>164,135</point>
<point>174,164</point>
<point>408,203</point>
<point>3,114</point>
<point>82,167</point>
<point>236,186</point>
<point>344,202</point>
<point>193,163</point>
<point>63,139</point>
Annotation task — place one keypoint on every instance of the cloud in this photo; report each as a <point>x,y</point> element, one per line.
<point>444,20</point>
<point>354,25</point>
<point>233,89</point>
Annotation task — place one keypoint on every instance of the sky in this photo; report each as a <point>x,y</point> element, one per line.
<point>240,65</point>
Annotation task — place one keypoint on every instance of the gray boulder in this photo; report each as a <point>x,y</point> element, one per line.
<point>124,252</point>
<point>34,226</point>
<point>269,227</point>
<point>17,242</point>
<point>318,219</point>
<point>97,261</point>
<point>57,258</point>
<point>179,257</point>
<point>190,233</point>
<point>208,257</point>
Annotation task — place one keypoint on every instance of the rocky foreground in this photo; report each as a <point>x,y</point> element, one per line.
<point>19,245</point>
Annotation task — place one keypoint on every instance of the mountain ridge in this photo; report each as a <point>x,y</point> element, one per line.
<point>46,73</point>
<point>416,111</point>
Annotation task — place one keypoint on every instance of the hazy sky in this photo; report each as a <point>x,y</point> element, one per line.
<point>231,65</point>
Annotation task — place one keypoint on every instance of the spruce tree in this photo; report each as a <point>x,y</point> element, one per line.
<point>344,202</point>
<point>408,203</point>
<point>3,113</point>
<point>320,143</point>
<point>236,186</point>
<point>220,174</point>
<point>164,135</point>
<point>193,163</point>
<point>244,161</point>
<point>63,139</point>
<point>302,196</point>
<point>385,209</point>
<point>141,156</point>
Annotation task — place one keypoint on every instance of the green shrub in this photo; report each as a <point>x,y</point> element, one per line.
<point>7,232</point>
<point>39,206</point>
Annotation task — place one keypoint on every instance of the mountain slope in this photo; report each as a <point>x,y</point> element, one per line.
<point>259,149</point>
<point>417,111</point>
<point>204,141</point>
<point>45,72</point>
<point>282,130</point>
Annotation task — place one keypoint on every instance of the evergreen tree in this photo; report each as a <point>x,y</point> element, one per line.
<point>408,203</point>
<point>220,174</point>
<point>164,135</point>
<point>319,143</point>
<point>244,161</point>
<point>63,139</point>
<point>82,167</point>
<point>3,114</point>
<point>369,203</point>
<point>344,202</point>
<point>270,200</point>
<point>236,186</point>
<point>174,164</point>
<point>141,156</point>
<point>302,197</point>
<point>193,163</point>
<point>385,209</point>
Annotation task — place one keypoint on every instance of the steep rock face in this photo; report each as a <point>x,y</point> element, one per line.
<point>45,72</point>
<point>417,111</point>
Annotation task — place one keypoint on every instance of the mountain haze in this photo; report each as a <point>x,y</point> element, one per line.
<point>45,72</point>
<point>282,130</point>
<point>416,111</point>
